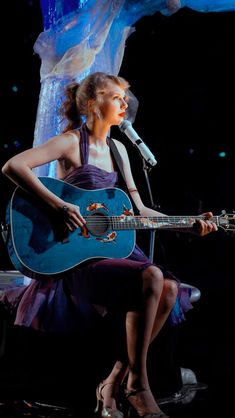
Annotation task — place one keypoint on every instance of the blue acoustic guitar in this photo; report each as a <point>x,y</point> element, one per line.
<point>39,241</point>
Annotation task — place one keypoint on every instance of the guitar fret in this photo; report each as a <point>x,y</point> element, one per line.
<point>141,222</point>
<point>154,222</point>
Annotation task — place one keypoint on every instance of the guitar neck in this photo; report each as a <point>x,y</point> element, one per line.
<point>157,222</point>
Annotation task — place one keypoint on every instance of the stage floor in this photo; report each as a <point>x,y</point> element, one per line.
<point>204,403</point>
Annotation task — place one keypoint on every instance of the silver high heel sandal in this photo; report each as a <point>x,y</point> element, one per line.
<point>105,411</point>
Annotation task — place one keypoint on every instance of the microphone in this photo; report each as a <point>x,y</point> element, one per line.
<point>126,127</point>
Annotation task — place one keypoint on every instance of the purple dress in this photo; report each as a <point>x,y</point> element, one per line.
<point>66,302</point>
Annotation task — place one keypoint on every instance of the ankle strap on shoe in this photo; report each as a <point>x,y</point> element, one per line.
<point>134,392</point>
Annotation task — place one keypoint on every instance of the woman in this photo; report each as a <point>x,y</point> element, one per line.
<point>136,287</point>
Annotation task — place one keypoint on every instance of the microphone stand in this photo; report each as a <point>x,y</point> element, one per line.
<point>147,168</point>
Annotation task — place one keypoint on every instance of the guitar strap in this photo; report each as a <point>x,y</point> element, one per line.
<point>119,162</point>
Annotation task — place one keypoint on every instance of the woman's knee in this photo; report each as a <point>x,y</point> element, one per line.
<point>153,280</point>
<point>170,291</point>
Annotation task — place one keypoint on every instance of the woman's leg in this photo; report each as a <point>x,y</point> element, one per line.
<point>109,387</point>
<point>166,304</point>
<point>142,328</point>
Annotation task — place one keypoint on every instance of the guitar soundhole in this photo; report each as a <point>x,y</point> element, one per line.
<point>98,224</point>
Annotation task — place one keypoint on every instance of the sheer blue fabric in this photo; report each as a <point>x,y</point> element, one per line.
<point>79,38</point>
<point>54,10</point>
<point>83,36</point>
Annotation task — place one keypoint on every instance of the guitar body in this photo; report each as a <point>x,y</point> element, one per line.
<point>39,241</point>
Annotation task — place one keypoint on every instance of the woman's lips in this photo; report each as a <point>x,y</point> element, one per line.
<point>122,114</point>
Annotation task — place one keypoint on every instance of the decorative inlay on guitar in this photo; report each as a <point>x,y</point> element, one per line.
<point>39,241</point>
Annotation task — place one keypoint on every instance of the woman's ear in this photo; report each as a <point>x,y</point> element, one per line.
<point>90,105</point>
<point>93,107</point>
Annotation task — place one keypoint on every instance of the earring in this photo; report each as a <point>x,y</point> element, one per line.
<point>98,114</point>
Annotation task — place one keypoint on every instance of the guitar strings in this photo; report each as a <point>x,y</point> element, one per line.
<point>142,222</point>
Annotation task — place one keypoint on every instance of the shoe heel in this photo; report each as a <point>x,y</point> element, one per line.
<point>98,407</point>
<point>98,402</point>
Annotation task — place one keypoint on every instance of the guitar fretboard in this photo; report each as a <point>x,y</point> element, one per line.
<point>124,222</point>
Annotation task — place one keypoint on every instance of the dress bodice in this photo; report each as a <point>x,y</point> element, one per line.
<point>88,176</point>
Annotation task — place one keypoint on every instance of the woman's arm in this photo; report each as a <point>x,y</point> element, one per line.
<point>144,210</point>
<point>202,227</point>
<point>19,170</point>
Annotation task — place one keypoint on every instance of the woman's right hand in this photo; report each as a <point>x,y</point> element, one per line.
<point>72,216</point>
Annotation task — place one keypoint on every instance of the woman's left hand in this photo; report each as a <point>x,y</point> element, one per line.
<point>204,227</point>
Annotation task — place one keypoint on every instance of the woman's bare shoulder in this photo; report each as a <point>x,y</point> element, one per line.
<point>73,136</point>
<point>67,140</point>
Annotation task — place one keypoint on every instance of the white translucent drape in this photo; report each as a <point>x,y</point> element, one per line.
<point>83,36</point>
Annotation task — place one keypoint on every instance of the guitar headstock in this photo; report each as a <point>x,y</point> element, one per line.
<point>227,221</point>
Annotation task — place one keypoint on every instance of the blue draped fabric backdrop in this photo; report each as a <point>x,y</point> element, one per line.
<point>83,36</point>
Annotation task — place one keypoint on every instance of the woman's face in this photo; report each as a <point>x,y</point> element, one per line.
<point>112,103</point>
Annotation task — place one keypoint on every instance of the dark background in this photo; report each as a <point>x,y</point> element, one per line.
<point>181,68</point>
